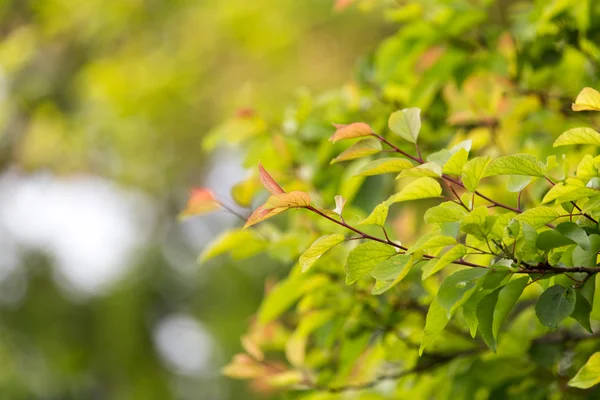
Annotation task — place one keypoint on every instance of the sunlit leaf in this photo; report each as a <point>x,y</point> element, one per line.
<point>384,165</point>
<point>340,202</point>
<point>351,131</point>
<point>428,169</point>
<point>518,164</point>
<point>435,322</point>
<point>445,212</point>
<point>473,171</point>
<point>377,216</point>
<point>455,253</point>
<point>406,123</point>
<point>318,248</point>
<point>363,148</point>
<point>589,374</point>
<point>288,200</point>
<point>364,257</point>
<point>455,164</point>
<point>421,188</point>
<point>587,99</point>
<point>578,136</point>
<point>538,216</point>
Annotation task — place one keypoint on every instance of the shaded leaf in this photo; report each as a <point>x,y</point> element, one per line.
<point>582,311</point>
<point>554,305</point>
<point>458,287</point>
<point>390,272</point>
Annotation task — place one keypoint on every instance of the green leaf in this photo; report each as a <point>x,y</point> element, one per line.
<point>390,272</point>
<point>589,374</point>
<point>495,307</point>
<point>421,188</point>
<point>377,216</point>
<point>351,131</point>
<point>406,123</point>
<point>473,171</point>
<point>363,148</point>
<point>582,311</point>
<point>578,136</point>
<point>538,216</point>
<point>586,168</point>
<point>587,258</point>
<point>428,169</point>
<point>435,322</point>
<point>384,166</point>
<point>286,293</point>
<point>445,212</point>
<point>575,233</point>
<point>455,164</point>
<point>587,100</point>
<point>451,255</point>
<point>364,257</point>
<point>554,305</point>
<point>518,164</point>
<point>551,239</point>
<point>517,183</point>
<point>458,287</point>
<point>318,248</point>
<point>432,242</point>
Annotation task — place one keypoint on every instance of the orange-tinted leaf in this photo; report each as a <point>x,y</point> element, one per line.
<point>268,181</point>
<point>201,201</point>
<point>244,367</point>
<point>354,130</point>
<point>363,148</point>
<point>342,4</point>
<point>262,213</point>
<point>288,200</point>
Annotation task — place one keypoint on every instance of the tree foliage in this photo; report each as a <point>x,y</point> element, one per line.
<point>467,107</point>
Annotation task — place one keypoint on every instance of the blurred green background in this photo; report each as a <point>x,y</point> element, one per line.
<point>103,106</point>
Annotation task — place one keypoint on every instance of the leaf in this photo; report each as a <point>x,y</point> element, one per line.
<point>554,305</point>
<point>288,200</point>
<point>562,189</point>
<point>363,148</point>
<point>538,216</point>
<point>377,216</point>
<point>582,311</point>
<point>578,136</point>
<point>517,183</point>
<point>435,322</point>
<point>390,272</point>
<point>587,258</point>
<point>268,182</point>
<point>589,374</point>
<point>241,244</point>
<point>485,318</point>
<point>351,131</point>
<point>587,100</point>
<point>262,213</point>
<point>421,188</point>
<point>201,201</point>
<point>445,212</point>
<point>574,232</point>
<point>384,166</point>
<point>406,123</point>
<point>473,171</point>
<point>282,296</point>
<point>452,255</point>
<point>551,239</point>
<point>507,298</point>
<point>456,163</point>
<point>364,257</point>
<point>318,248</point>
<point>458,287</point>
<point>586,168</point>
<point>428,169</point>
<point>518,164</point>
<point>340,202</point>
<point>432,242</point>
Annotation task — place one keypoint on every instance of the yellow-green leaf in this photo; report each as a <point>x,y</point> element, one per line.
<point>240,243</point>
<point>421,188</point>
<point>377,216</point>
<point>589,374</point>
<point>587,99</point>
<point>517,164</point>
<point>455,164</point>
<point>364,257</point>
<point>390,272</point>
<point>406,123</point>
<point>318,248</point>
<point>538,216</point>
<point>384,165</point>
<point>363,148</point>
<point>473,171</point>
<point>578,136</point>
<point>586,169</point>
<point>288,200</point>
<point>428,169</point>
<point>455,253</point>
<point>262,213</point>
<point>350,131</point>
<point>435,322</point>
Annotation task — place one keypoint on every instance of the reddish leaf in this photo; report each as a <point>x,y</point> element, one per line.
<point>201,201</point>
<point>268,182</point>
<point>262,213</point>
<point>342,4</point>
<point>354,130</point>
